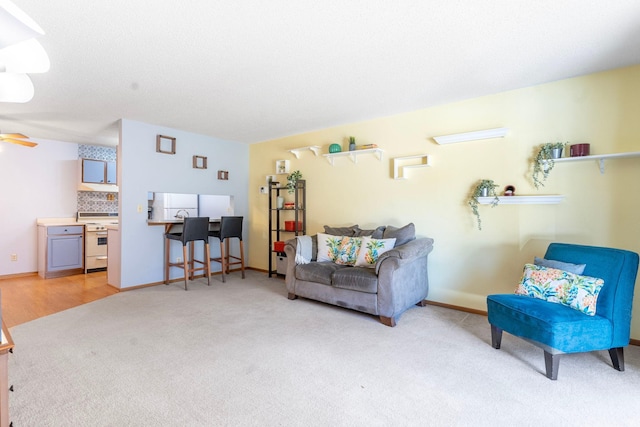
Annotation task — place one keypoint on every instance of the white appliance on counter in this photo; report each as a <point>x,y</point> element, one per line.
<point>95,238</point>
<point>168,206</point>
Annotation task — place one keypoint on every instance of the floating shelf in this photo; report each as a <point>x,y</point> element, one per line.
<point>600,158</point>
<point>398,170</point>
<point>354,154</point>
<point>296,151</point>
<point>282,166</point>
<point>471,136</point>
<point>549,199</point>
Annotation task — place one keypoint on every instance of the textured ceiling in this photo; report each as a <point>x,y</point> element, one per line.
<point>250,71</point>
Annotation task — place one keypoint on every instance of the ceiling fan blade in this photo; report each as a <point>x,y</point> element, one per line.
<point>13,135</point>
<point>19,141</point>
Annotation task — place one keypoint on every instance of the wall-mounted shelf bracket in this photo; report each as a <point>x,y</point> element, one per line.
<point>354,154</point>
<point>399,170</point>
<point>296,151</point>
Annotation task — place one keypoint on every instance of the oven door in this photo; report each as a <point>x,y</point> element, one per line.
<point>95,243</point>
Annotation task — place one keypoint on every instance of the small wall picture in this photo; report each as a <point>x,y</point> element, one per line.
<point>199,162</point>
<point>165,144</point>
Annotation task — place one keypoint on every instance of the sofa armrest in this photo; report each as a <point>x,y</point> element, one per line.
<point>405,253</point>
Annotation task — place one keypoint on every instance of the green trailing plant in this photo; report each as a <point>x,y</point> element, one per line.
<point>485,187</point>
<point>292,179</point>
<point>544,162</point>
<point>352,140</point>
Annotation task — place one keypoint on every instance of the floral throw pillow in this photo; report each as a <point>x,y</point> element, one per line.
<point>371,249</point>
<point>339,249</point>
<point>348,250</point>
<point>559,286</point>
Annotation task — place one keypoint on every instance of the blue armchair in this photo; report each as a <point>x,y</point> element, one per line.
<point>559,329</point>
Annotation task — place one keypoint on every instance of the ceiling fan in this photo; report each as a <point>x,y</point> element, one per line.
<point>16,138</point>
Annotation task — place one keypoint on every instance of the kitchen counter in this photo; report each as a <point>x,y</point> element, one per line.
<point>57,221</point>
<point>168,223</point>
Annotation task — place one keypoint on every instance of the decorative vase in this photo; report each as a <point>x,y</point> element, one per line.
<point>280,202</point>
<point>352,146</point>
<point>484,192</point>
<point>335,148</point>
<point>556,153</point>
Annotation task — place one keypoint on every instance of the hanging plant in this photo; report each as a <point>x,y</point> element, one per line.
<point>292,179</point>
<point>544,161</point>
<point>485,188</point>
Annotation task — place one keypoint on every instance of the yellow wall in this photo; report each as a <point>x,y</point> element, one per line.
<point>599,209</point>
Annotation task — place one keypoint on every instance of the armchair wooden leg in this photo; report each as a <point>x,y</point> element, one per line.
<point>388,321</point>
<point>617,358</point>
<point>496,337</point>
<point>551,363</point>
<point>291,295</point>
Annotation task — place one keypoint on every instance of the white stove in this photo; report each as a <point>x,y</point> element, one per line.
<point>95,241</point>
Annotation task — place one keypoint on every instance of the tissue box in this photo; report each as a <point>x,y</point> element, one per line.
<point>278,246</point>
<point>291,226</point>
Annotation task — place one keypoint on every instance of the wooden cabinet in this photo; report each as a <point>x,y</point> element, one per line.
<point>285,223</point>
<point>60,250</point>
<point>98,171</point>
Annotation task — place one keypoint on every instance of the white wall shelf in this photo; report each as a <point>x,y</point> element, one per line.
<point>548,199</point>
<point>354,154</point>
<point>399,170</point>
<point>471,136</point>
<point>600,158</point>
<point>296,151</point>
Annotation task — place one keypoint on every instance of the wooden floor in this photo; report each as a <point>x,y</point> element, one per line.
<point>29,297</point>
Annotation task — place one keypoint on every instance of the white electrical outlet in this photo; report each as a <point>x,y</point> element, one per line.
<point>14,257</point>
<point>179,259</point>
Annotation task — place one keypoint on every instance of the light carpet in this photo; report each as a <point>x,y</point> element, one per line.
<point>241,354</point>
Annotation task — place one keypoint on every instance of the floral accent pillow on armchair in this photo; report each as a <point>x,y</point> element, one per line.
<point>559,286</point>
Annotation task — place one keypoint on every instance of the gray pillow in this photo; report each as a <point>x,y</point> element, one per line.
<point>375,234</point>
<point>565,266</point>
<point>402,235</point>
<point>341,231</point>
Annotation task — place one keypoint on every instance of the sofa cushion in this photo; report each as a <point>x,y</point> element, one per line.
<point>376,233</point>
<point>319,272</point>
<point>371,249</point>
<point>341,231</point>
<point>355,279</point>
<point>566,266</point>
<point>402,235</point>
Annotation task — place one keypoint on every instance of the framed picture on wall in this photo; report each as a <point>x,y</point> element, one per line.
<point>165,144</point>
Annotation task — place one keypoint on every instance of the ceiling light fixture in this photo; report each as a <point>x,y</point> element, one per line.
<point>471,136</point>
<point>20,53</point>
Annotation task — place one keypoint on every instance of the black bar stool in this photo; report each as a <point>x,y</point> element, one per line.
<point>230,227</point>
<point>194,229</point>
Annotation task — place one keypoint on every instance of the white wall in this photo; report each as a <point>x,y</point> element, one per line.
<point>141,169</point>
<point>36,182</point>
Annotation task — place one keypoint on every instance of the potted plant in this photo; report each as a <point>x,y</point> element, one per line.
<point>544,161</point>
<point>292,178</point>
<point>485,188</point>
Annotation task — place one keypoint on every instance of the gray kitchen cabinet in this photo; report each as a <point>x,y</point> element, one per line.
<point>98,171</point>
<point>60,250</point>
<point>111,172</point>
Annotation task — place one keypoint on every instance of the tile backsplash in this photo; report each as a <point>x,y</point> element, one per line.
<point>96,201</point>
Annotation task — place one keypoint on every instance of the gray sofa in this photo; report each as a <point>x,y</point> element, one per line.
<point>398,281</point>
